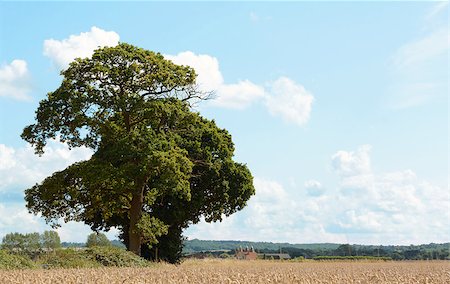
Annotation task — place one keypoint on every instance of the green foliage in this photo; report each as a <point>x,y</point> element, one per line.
<point>28,244</point>
<point>116,257</point>
<point>359,257</point>
<point>157,166</point>
<point>50,240</point>
<point>309,251</point>
<point>196,245</point>
<point>97,239</point>
<point>14,261</point>
<point>298,259</point>
<point>31,243</point>
<point>66,258</point>
<point>151,228</point>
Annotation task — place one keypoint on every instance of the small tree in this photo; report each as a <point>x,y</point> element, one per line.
<point>50,240</point>
<point>22,243</point>
<point>13,241</point>
<point>97,240</point>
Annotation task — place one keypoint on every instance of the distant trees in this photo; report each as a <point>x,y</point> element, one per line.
<point>31,242</point>
<point>51,240</point>
<point>97,240</point>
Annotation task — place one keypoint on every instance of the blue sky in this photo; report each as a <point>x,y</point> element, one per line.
<point>340,109</point>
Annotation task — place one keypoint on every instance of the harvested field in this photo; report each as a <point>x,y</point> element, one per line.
<point>232,271</point>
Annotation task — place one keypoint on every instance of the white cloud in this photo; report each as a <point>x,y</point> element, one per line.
<point>14,217</point>
<point>284,97</point>
<point>21,168</point>
<point>289,100</point>
<point>62,52</point>
<point>352,163</point>
<point>388,208</point>
<point>209,77</point>
<point>273,214</point>
<point>396,207</point>
<point>15,80</point>
<point>238,96</point>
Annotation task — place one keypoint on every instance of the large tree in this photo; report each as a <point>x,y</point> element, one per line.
<point>157,165</point>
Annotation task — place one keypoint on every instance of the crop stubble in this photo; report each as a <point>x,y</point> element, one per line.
<point>233,271</point>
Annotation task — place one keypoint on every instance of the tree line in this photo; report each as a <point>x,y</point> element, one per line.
<point>35,243</point>
<point>311,251</point>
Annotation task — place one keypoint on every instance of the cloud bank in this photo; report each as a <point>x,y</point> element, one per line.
<point>365,207</point>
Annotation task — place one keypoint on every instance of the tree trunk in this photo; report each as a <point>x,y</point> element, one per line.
<point>135,239</point>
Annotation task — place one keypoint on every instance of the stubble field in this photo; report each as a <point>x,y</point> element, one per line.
<point>233,271</point>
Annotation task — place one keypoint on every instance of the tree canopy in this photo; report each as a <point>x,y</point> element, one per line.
<point>97,239</point>
<point>157,165</point>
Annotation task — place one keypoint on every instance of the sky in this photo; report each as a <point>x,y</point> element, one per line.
<point>339,109</point>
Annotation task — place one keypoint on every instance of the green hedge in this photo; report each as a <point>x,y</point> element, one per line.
<point>114,256</point>
<point>359,257</point>
<point>71,258</point>
<point>66,258</point>
<point>12,261</point>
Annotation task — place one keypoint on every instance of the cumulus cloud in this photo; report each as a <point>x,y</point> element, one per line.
<point>239,95</point>
<point>15,80</point>
<point>289,100</point>
<point>283,97</point>
<point>21,168</point>
<point>209,76</point>
<point>62,52</point>
<point>15,218</point>
<point>395,207</point>
<point>348,163</point>
<point>273,214</point>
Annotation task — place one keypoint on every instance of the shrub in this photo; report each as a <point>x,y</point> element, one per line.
<point>66,258</point>
<point>12,261</point>
<point>114,256</point>
<point>298,259</point>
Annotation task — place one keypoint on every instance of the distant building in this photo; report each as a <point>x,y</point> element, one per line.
<point>246,254</point>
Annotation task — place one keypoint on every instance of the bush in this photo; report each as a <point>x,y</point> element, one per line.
<point>97,240</point>
<point>117,257</point>
<point>66,258</point>
<point>298,259</point>
<point>11,261</point>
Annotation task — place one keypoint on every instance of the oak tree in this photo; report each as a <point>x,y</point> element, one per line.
<point>157,166</point>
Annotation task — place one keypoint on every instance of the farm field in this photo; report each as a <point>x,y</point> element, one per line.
<point>233,271</point>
